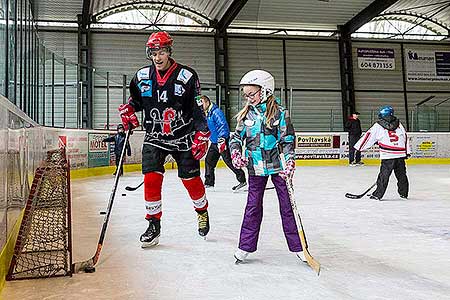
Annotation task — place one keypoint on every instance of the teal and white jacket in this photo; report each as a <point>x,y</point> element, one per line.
<point>263,145</point>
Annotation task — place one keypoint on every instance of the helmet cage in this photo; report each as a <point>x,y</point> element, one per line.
<point>148,51</point>
<point>157,41</point>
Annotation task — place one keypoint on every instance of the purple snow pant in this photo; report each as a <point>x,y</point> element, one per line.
<point>254,213</point>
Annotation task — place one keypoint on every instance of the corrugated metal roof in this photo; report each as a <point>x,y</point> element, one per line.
<point>56,10</point>
<point>436,10</point>
<point>289,14</point>
<point>304,14</point>
<point>210,9</point>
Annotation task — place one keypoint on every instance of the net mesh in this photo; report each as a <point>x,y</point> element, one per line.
<point>43,246</point>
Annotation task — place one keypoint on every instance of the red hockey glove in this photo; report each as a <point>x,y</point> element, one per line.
<point>200,144</point>
<point>238,161</point>
<point>289,170</point>
<point>128,116</point>
<point>221,144</point>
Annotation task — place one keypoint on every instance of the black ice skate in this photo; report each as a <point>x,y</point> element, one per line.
<point>151,236</point>
<point>203,223</point>
<point>239,186</point>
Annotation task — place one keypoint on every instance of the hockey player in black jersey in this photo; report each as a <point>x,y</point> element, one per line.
<point>175,124</point>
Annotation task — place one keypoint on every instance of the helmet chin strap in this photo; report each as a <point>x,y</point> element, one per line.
<point>263,96</point>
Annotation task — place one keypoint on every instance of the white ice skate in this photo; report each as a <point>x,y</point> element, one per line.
<point>240,255</point>
<point>152,243</point>
<point>301,255</point>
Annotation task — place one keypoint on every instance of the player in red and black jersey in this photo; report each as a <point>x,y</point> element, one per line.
<point>175,124</point>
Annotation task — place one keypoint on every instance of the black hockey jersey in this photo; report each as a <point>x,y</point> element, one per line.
<point>172,112</point>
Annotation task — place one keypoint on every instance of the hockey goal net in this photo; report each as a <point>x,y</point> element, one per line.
<point>44,246</point>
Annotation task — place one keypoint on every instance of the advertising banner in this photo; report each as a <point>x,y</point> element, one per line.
<point>427,65</point>
<point>371,153</point>
<point>98,152</point>
<point>317,146</point>
<point>77,151</point>
<point>314,141</point>
<point>376,58</point>
<point>424,146</point>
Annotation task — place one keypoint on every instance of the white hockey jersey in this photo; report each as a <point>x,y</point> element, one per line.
<point>392,143</point>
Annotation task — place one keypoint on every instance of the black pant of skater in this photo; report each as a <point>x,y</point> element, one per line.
<point>211,162</point>
<point>399,167</point>
<point>352,156</point>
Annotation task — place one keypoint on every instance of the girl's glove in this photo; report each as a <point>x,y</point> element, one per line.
<point>238,161</point>
<point>289,170</point>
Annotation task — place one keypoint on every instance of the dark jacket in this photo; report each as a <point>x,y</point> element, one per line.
<point>217,124</point>
<point>119,140</point>
<point>353,126</point>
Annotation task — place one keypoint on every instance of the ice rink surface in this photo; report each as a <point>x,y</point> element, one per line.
<point>393,249</point>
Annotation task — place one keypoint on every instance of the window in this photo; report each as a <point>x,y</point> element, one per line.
<point>397,29</point>
<point>168,18</point>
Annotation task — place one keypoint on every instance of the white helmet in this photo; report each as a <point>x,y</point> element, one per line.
<point>262,79</point>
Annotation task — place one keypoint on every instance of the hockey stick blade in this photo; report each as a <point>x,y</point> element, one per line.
<point>130,188</point>
<point>82,265</point>
<point>354,196</point>
<point>314,264</point>
<point>90,263</point>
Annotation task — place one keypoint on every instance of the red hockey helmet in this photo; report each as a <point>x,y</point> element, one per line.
<point>158,40</point>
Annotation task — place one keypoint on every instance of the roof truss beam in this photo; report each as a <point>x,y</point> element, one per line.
<point>367,14</point>
<point>142,4</point>
<point>85,13</point>
<point>230,14</point>
<point>397,16</point>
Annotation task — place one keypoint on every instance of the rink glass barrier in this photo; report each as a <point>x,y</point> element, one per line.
<point>22,148</point>
<point>25,143</point>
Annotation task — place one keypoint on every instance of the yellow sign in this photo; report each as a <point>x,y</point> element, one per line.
<point>426,145</point>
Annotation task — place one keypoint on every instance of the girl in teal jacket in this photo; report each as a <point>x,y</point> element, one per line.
<point>265,131</point>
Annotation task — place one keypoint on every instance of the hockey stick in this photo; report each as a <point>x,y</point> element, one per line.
<point>354,196</point>
<point>246,190</point>
<point>314,264</point>
<point>88,265</point>
<point>169,159</point>
<point>130,188</point>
